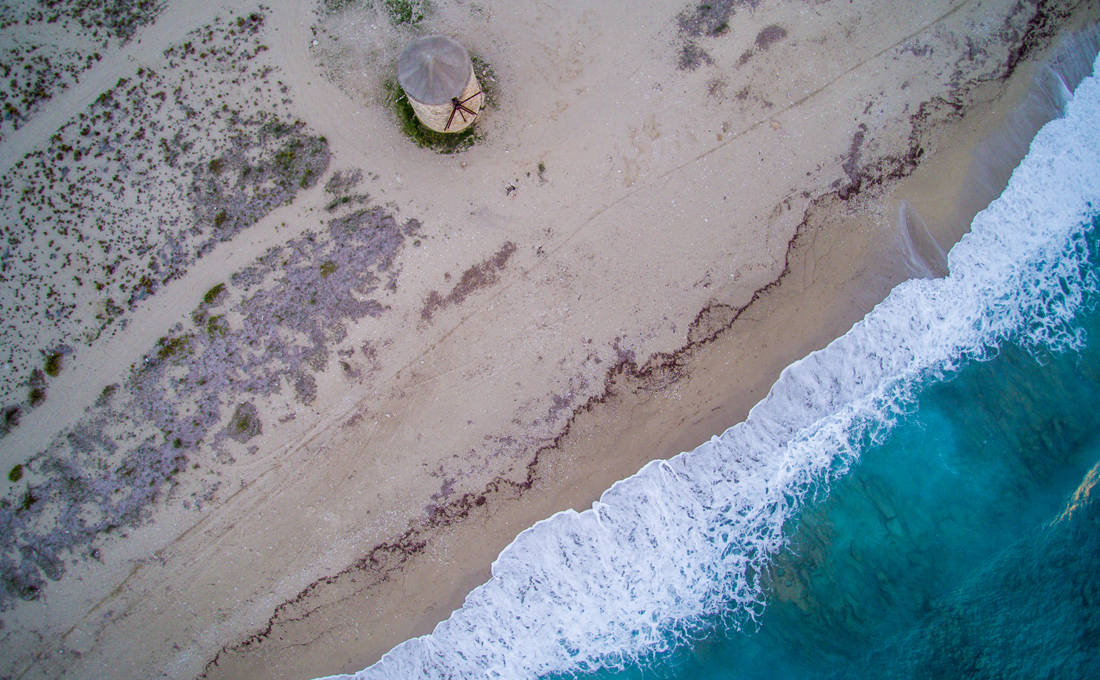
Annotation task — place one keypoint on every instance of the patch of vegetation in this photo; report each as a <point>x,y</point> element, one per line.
<point>343,181</point>
<point>692,57</point>
<point>27,501</point>
<point>53,364</point>
<point>297,161</point>
<point>122,19</point>
<point>277,128</point>
<point>254,175</point>
<point>16,474</point>
<point>711,18</point>
<point>217,326</point>
<point>284,157</point>
<point>105,396</point>
<point>214,295</point>
<point>245,423</point>
<point>37,385</point>
<point>11,417</point>
<point>410,12</point>
<point>705,20</point>
<point>252,22</point>
<point>145,287</point>
<point>487,78</point>
<point>169,347</point>
<point>36,396</point>
<point>344,200</point>
<point>334,6</point>
<point>336,203</point>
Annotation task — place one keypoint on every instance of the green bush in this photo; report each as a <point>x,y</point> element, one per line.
<point>53,364</point>
<point>410,12</point>
<point>214,294</point>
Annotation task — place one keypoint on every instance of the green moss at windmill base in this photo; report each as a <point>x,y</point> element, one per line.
<point>441,142</point>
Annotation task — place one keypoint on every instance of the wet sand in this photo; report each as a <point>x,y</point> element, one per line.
<point>411,357</point>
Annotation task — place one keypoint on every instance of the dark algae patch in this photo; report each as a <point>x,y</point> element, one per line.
<point>768,36</point>
<point>11,418</point>
<point>481,275</point>
<point>245,423</point>
<point>701,21</point>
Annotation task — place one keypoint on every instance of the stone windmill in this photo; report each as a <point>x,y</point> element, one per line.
<point>438,78</point>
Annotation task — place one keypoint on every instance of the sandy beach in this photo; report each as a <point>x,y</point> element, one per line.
<point>281,384</point>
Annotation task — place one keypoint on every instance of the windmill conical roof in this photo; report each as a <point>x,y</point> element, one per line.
<point>434,69</point>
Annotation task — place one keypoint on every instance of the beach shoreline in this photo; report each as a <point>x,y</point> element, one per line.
<point>641,415</point>
<point>369,549</point>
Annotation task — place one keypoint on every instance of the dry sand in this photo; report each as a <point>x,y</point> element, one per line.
<point>347,371</point>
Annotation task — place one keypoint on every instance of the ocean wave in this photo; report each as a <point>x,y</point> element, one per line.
<point>686,539</point>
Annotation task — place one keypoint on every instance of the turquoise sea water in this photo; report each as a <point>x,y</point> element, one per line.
<point>966,544</point>
<point>914,500</point>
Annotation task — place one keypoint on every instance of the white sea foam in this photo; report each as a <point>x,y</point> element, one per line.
<point>684,539</point>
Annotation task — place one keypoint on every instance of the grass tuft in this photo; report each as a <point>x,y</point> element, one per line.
<point>53,364</point>
<point>214,294</point>
<point>168,347</point>
<point>410,12</point>
<point>217,326</point>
